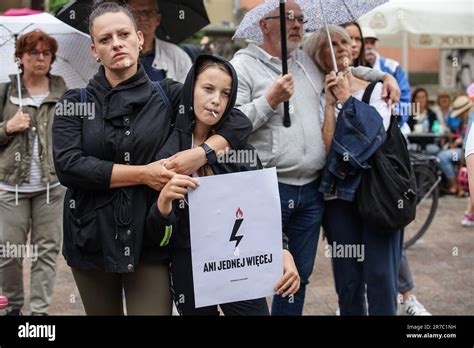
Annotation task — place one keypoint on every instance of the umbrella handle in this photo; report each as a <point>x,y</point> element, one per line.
<point>18,80</point>
<point>284,59</point>
<point>333,56</point>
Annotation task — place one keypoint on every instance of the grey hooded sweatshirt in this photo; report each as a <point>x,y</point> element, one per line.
<point>297,152</point>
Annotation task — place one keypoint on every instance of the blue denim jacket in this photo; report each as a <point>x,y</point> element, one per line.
<point>359,133</point>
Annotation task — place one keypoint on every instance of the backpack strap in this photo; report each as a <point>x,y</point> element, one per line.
<point>157,86</point>
<point>368,92</point>
<point>83,95</point>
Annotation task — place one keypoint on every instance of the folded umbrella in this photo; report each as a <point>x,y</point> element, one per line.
<point>180,19</point>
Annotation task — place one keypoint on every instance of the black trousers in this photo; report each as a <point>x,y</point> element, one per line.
<point>183,292</point>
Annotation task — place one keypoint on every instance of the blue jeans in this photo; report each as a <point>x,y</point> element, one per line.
<point>302,209</point>
<point>446,160</point>
<point>377,267</point>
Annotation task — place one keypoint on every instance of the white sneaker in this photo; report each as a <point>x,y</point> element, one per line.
<point>413,307</point>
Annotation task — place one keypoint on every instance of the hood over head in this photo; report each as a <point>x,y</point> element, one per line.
<point>185,122</point>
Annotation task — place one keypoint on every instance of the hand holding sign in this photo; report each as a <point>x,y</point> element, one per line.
<point>218,226</point>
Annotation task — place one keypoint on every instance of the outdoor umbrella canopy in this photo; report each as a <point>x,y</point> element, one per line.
<point>74,61</point>
<point>423,23</point>
<point>180,19</point>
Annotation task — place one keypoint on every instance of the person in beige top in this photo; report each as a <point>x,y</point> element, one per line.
<point>31,196</point>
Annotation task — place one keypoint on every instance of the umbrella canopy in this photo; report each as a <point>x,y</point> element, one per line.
<point>317,13</point>
<point>180,19</point>
<point>443,24</point>
<point>74,61</point>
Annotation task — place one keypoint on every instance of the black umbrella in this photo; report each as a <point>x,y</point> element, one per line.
<point>180,19</point>
<point>284,59</point>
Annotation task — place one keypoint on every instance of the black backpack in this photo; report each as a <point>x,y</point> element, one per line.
<point>386,197</point>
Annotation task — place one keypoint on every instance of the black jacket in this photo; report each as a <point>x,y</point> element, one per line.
<point>174,230</point>
<point>106,228</point>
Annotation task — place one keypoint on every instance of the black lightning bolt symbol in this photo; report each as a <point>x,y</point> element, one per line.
<point>233,236</point>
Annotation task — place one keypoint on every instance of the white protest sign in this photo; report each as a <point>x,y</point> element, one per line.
<point>236,237</point>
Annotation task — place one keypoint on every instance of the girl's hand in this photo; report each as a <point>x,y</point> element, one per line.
<point>176,188</point>
<point>289,283</point>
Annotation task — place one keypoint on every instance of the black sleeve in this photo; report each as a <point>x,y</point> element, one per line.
<point>160,228</point>
<point>73,167</point>
<point>173,90</point>
<point>236,129</point>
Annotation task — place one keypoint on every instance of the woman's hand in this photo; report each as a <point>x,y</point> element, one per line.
<point>289,283</point>
<point>18,123</point>
<point>176,188</point>
<point>187,162</point>
<point>330,98</point>
<point>390,90</point>
<point>156,175</point>
<point>339,86</point>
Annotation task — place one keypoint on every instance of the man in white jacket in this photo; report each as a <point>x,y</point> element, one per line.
<point>160,59</point>
<point>298,151</point>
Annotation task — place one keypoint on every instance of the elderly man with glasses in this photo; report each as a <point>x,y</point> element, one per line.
<point>160,59</point>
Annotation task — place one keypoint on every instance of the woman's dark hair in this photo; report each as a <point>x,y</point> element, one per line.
<point>418,90</point>
<point>102,8</point>
<point>27,42</point>
<point>359,61</point>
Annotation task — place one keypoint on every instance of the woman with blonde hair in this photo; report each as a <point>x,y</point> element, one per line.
<point>351,107</point>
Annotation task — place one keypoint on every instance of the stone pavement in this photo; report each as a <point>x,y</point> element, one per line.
<point>442,264</point>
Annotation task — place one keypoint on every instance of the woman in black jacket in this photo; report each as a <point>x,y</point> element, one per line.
<point>209,95</point>
<point>107,159</point>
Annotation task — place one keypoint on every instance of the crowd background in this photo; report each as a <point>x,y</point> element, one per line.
<point>428,88</point>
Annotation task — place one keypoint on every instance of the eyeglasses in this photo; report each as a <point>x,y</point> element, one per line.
<point>290,17</point>
<point>145,14</point>
<point>36,53</point>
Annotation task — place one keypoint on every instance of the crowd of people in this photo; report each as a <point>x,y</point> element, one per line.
<point>108,188</point>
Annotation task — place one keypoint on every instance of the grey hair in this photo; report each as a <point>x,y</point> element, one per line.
<point>317,41</point>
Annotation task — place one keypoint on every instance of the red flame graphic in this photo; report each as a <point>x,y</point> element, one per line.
<point>239,213</point>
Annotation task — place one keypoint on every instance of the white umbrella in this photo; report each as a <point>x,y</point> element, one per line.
<point>74,61</point>
<point>423,23</point>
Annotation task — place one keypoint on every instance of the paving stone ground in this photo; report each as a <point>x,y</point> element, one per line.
<point>444,279</point>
